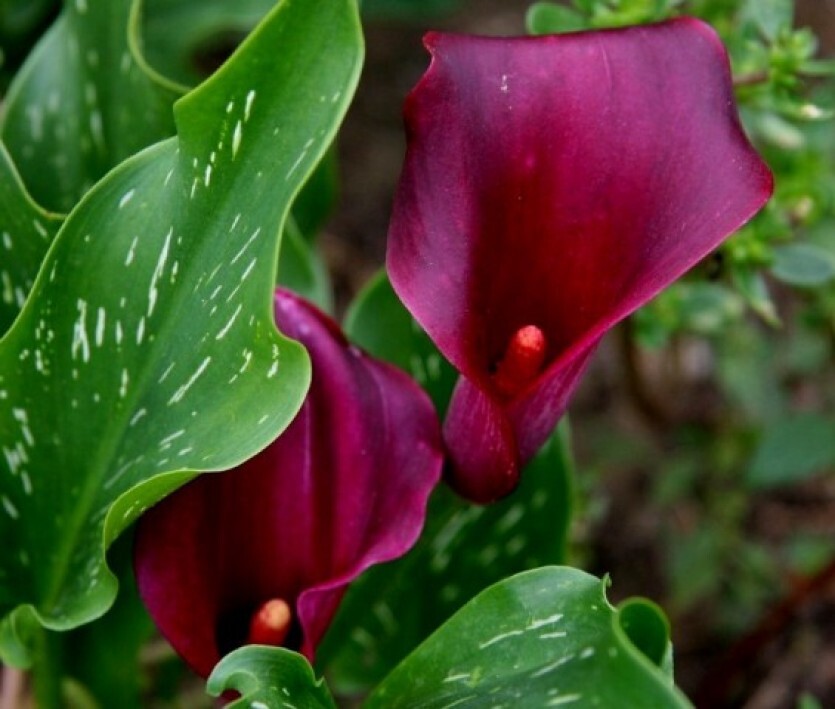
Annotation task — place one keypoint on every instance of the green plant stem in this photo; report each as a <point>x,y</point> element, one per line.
<point>46,670</point>
<point>752,79</point>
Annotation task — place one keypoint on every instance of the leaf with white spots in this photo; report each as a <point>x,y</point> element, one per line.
<point>147,351</point>
<point>544,638</point>
<point>269,678</point>
<point>83,102</point>
<point>26,231</point>
<point>464,549</point>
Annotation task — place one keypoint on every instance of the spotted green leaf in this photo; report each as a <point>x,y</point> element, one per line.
<point>543,638</point>
<point>464,548</point>
<point>26,231</point>
<point>269,678</point>
<point>83,102</point>
<point>147,349</point>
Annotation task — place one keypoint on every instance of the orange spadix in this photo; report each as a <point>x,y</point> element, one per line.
<point>271,623</point>
<point>522,361</point>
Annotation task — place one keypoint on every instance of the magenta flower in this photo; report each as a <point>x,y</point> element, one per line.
<point>551,186</point>
<point>263,554</point>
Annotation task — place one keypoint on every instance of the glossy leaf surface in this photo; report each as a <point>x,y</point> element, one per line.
<point>546,637</point>
<point>26,231</point>
<point>464,549</point>
<point>147,349</point>
<point>83,102</point>
<point>268,678</point>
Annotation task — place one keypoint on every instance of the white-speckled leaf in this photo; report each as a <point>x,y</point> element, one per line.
<point>269,678</point>
<point>464,548</point>
<point>543,638</point>
<point>82,102</point>
<point>26,231</point>
<point>147,345</point>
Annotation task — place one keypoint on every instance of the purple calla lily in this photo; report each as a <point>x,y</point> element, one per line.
<point>264,553</point>
<point>551,186</point>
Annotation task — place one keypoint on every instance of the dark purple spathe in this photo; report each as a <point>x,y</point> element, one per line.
<point>343,488</point>
<point>559,182</point>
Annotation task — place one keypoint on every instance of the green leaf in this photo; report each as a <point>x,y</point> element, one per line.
<point>186,40</point>
<point>318,197</point>
<point>792,450</point>
<point>379,323</point>
<point>647,628</point>
<point>550,18</point>
<point>751,285</point>
<point>83,102</point>
<point>464,548</point>
<point>104,655</point>
<point>147,350</point>
<point>301,269</point>
<point>21,23</point>
<point>803,265</point>
<point>269,677</point>
<point>543,638</point>
<point>770,16</point>
<point>707,308</point>
<point>26,231</point>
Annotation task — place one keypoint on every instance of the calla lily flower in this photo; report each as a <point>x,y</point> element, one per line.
<point>263,553</point>
<point>551,186</point>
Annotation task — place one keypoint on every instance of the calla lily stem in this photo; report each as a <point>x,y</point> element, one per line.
<point>46,669</point>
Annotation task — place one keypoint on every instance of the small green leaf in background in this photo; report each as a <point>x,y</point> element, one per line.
<point>803,265</point>
<point>547,637</point>
<point>318,197</point>
<point>26,231</point>
<point>793,450</point>
<point>551,18</point>
<point>82,103</point>
<point>752,286</point>
<point>463,549</point>
<point>269,678</point>
<point>301,269</point>
<point>21,23</point>
<point>186,40</point>
<point>808,701</point>
<point>379,323</point>
<point>147,349</point>
<point>770,16</point>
